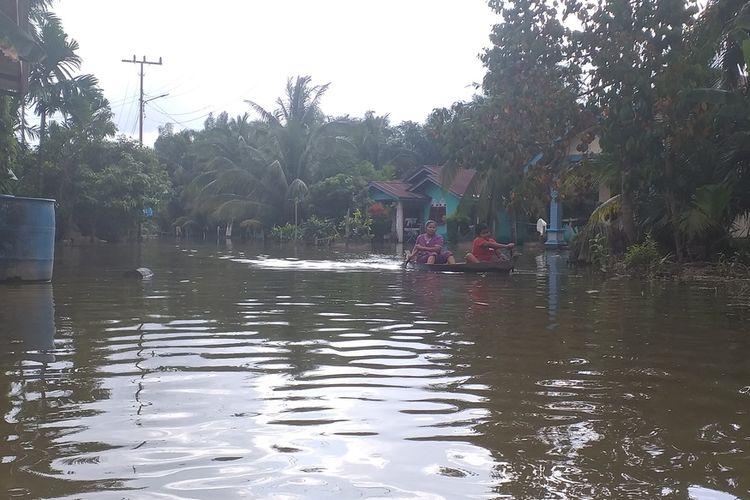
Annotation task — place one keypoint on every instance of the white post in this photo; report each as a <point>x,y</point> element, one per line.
<point>399,222</point>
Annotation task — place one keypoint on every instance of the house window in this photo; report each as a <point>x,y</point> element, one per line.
<point>437,213</point>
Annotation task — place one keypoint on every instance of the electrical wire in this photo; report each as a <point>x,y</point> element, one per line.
<point>121,113</point>
<point>122,106</point>
<point>194,112</point>
<point>130,114</point>
<point>135,122</point>
<point>175,120</point>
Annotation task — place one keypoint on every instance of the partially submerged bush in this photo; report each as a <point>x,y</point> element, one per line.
<point>642,256</point>
<point>287,232</point>
<point>360,226</point>
<point>599,251</point>
<point>319,231</point>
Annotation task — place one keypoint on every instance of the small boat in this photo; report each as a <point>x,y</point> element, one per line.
<point>466,267</point>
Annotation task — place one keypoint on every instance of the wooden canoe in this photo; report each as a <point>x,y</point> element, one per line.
<point>465,267</point>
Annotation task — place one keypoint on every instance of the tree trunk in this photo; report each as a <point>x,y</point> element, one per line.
<point>66,215</point>
<point>42,132</point>
<point>626,212</point>
<point>676,236</point>
<point>672,208</point>
<point>23,122</point>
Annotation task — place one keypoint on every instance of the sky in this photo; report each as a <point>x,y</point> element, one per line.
<point>398,57</point>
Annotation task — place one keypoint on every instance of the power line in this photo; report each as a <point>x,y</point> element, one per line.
<point>131,112</point>
<point>194,112</point>
<point>125,100</point>
<point>142,102</point>
<point>175,120</point>
<point>122,106</point>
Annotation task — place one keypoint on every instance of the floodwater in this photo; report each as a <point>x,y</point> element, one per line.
<point>246,373</point>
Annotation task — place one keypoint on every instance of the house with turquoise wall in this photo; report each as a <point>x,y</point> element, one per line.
<point>421,196</point>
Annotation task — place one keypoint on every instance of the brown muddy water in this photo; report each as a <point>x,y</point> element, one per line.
<point>243,373</point>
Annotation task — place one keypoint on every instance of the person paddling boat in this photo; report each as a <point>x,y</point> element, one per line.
<point>429,247</point>
<point>486,249</point>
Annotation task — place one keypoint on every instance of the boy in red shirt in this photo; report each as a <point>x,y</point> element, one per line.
<point>484,248</point>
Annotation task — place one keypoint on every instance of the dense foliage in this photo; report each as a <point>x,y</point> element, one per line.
<point>661,87</point>
<point>289,165</point>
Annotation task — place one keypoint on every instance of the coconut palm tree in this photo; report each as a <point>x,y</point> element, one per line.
<point>299,136</point>
<point>296,127</point>
<point>240,190</point>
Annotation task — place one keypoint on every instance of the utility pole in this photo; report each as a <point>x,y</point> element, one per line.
<point>140,100</point>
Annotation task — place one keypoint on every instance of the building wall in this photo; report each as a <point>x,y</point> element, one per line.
<point>380,196</point>
<point>503,227</point>
<point>437,195</point>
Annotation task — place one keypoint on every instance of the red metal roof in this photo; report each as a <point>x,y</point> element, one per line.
<point>460,182</point>
<point>404,190</point>
<point>397,189</point>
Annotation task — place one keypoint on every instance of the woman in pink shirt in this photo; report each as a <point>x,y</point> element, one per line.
<point>429,247</point>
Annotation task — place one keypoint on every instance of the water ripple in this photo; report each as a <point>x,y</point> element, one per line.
<point>233,374</point>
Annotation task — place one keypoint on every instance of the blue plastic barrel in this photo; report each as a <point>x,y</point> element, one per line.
<point>27,238</point>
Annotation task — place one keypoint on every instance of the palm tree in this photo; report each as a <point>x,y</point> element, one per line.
<point>52,86</point>
<point>242,190</point>
<point>295,126</point>
<point>257,170</point>
<point>718,38</point>
<point>299,133</point>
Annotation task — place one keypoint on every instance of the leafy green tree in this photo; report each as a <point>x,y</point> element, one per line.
<point>8,144</point>
<point>529,108</point>
<point>417,145</point>
<point>343,193</point>
<point>624,45</point>
<point>128,180</point>
<point>80,145</point>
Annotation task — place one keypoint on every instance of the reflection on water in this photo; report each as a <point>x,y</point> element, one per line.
<point>332,374</point>
<point>366,263</point>
<point>27,321</point>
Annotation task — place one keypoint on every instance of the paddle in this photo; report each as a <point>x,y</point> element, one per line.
<point>511,256</point>
<point>411,256</point>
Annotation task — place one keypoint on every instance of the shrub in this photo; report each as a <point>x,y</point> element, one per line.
<point>286,232</point>
<point>360,226</point>
<point>318,230</point>
<point>599,251</point>
<point>642,256</point>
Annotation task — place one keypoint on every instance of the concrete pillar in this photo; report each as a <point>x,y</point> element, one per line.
<point>553,286</point>
<point>555,232</point>
<point>399,221</point>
